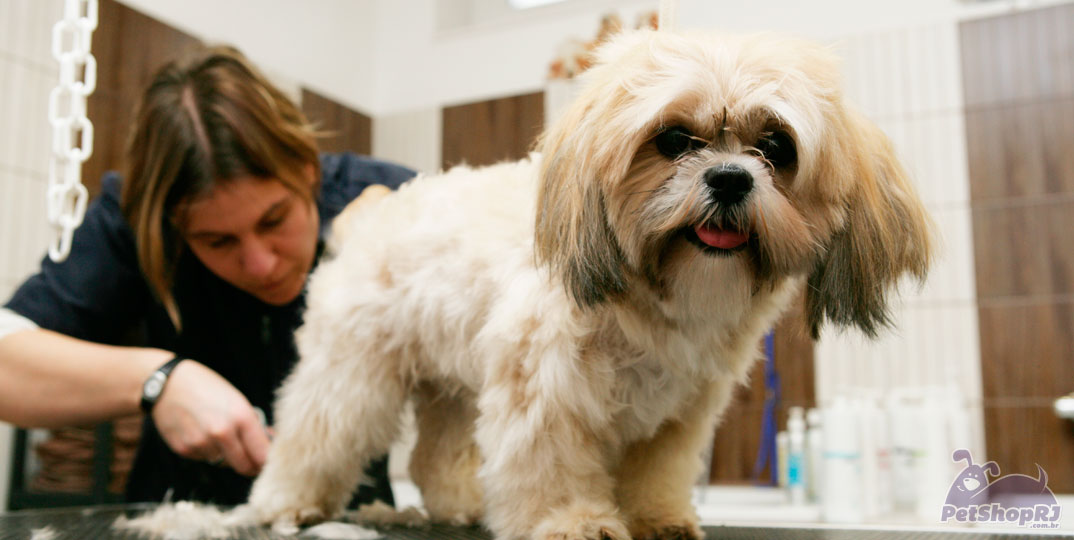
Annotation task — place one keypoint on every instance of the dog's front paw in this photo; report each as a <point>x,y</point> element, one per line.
<point>287,519</point>
<point>582,522</point>
<point>286,512</point>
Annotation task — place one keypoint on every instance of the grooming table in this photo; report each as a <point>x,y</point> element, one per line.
<point>96,523</point>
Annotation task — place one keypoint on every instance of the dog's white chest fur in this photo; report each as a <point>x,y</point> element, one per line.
<point>649,394</point>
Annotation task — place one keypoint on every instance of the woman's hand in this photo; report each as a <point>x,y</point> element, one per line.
<point>52,380</point>
<point>202,416</point>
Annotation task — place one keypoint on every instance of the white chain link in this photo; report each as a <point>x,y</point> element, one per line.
<point>72,131</point>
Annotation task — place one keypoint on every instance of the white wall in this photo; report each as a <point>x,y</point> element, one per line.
<point>388,56</point>
<point>491,58</point>
<point>328,45</point>
<point>411,138</point>
<point>507,53</point>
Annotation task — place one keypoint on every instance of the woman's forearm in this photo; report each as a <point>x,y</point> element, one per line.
<point>49,379</point>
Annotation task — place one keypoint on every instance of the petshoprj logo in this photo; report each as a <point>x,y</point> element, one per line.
<point>1014,498</point>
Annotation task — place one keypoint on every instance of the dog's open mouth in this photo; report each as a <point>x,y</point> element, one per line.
<point>714,239</point>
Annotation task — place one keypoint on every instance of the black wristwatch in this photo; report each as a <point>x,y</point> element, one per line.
<point>154,385</point>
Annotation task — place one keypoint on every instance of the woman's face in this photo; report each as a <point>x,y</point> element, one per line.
<point>257,235</point>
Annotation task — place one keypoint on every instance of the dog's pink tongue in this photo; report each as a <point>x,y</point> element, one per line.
<point>720,238</point>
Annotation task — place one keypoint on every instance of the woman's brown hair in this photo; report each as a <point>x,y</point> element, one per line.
<point>200,124</point>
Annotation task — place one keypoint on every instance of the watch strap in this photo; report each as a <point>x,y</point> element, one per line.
<point>154,385</point>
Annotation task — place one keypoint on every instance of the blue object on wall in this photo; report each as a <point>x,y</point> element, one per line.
<point>766,453</point>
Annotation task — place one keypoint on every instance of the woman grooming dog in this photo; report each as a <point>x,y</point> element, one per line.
<point>199,255</point>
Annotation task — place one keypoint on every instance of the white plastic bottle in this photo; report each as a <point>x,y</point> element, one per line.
<point>842,464</point>
<point>815,455</point>
<point>867,437</point>
<point>960,430</point>
<point>933,480</point>
<point>797,476</point>
<point>904,428</point>
<point>882,434</point>
<point>876,456</point>
<point>782,450</point>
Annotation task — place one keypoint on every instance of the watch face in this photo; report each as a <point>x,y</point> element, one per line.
<point>153,386</point>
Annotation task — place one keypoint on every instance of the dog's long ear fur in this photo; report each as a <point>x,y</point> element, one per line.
<point>573,234</point>
<point>886,232</point>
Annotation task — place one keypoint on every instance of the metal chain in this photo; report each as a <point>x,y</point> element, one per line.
<point>72,131</point>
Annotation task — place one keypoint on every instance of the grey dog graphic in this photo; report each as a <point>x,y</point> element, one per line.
<point>973,488</point>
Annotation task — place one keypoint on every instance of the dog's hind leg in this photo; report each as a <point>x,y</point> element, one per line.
<point>445,460</point>
<point>655,476</point>
<point>339,408</point>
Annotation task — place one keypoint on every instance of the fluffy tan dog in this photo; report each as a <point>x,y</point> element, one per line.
<point>570,327</point>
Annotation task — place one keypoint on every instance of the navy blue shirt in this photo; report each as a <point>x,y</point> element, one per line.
<point>99,294</point>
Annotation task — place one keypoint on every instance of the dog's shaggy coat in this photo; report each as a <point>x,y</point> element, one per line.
<point>571,326</point>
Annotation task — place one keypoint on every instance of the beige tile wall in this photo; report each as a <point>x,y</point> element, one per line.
<point>27,74</point>
<point>909,82</point>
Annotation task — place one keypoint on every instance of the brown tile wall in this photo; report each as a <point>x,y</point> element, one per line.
<point>129,47</point>
<point>491,131</point>
<point>1018,76</point>
<point>342,128</point>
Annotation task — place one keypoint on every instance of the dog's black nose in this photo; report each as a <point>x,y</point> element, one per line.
<point>729,183</point>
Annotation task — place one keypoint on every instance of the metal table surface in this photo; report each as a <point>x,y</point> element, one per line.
<point>96,523</point>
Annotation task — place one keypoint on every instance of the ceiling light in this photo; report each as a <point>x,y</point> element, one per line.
<point>527,4</point>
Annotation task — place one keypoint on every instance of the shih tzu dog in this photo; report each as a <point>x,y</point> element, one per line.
<point>570,327</point>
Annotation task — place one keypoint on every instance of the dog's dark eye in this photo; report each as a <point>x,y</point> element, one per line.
<point>675,141</point>
<point>778,148</point>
